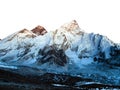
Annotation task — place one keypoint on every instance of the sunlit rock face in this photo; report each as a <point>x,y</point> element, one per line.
<point>39,30</point>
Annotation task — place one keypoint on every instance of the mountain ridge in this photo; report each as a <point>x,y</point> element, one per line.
<point>68,36</point>
<point>67,49</point>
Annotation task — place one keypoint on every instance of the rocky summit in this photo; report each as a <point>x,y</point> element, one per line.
<point>65,58</point>
<point>39,30</point>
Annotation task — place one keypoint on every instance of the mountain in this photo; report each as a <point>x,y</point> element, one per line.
<point>39,30</point>
<point>67,50</point>
<point>37,44</point>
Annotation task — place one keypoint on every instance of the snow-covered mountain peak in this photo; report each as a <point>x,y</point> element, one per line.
<point>66,35</point>
<point>73,25</point>
<point>26,33</point>
<point>22,34</point>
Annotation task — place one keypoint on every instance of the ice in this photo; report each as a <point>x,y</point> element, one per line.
<point>5,66</point>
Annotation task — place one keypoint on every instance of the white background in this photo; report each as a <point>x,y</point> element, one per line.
<point>98,16</point>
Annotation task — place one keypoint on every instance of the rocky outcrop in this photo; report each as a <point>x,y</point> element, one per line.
<point>51,55</point>
<point>114,58</point>
<point>39,30</point>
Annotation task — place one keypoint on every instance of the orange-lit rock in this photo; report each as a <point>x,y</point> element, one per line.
<point>39,30</point>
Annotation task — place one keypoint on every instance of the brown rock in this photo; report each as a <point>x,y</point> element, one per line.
<point>23,31</point>
<point>39,30</point>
